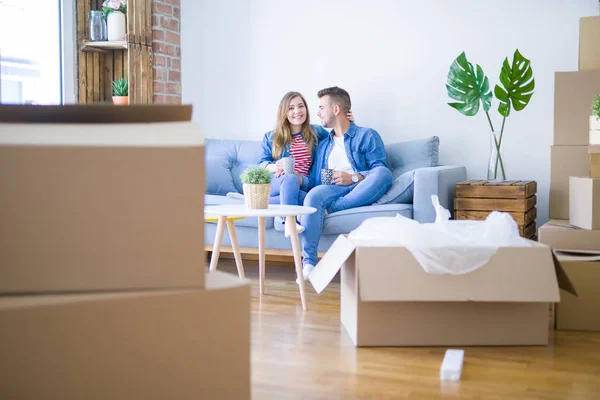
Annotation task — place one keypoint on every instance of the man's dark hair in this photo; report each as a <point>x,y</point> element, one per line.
<point>337,96</point>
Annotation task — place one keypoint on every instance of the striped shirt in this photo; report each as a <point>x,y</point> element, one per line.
<point>302,157</point>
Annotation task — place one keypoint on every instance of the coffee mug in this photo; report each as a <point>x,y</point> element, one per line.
<point>326,176</point>
<point>287,164</point>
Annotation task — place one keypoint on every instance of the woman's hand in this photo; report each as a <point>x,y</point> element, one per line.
<point>350,116</point>
<point>279,172</point>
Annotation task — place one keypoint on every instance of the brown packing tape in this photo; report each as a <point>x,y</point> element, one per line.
<point>95,113</point>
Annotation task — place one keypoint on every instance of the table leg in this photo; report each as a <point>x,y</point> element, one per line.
<point>291,223</point>
<point>236,249</point>
<point>214,259</point>
<point>261,254</point>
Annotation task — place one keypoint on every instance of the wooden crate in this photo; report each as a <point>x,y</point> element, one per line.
<point>100,63</point>
<point>475,200</point>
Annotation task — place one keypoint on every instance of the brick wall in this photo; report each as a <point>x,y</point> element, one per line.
<point>166,48</point>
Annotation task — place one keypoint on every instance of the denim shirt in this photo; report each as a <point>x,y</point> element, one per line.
<point>267,146</point>
<point>364,148</point>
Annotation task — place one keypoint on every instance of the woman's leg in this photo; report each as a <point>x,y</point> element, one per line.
<point>289,189</point>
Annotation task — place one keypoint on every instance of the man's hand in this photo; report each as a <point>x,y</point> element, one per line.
<point>350,116</point>
<point>343,178</point>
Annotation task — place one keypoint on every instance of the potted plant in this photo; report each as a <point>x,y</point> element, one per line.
<point>257,187</point>
<point>469,86</point>
<point>120,89</point>
<point>114,12</point>
<point>595,121</point>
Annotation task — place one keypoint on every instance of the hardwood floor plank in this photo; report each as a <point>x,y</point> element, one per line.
<point>307,355</point>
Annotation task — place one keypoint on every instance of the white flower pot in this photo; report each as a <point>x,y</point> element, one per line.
<point>115,22</point>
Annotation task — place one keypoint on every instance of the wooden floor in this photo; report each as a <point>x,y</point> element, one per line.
<point>307,355</point>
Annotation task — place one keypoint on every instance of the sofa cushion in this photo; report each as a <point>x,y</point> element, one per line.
<point>225,162</point>
<point>347,220</point>
<point>401,191</point>
<point>407,156</point>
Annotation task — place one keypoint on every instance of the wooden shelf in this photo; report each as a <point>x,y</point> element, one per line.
<point>103,45</point>
<point>100,63</point>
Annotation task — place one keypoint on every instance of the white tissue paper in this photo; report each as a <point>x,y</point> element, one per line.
<point>444,246</point>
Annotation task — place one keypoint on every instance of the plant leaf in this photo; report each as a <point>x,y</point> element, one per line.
<point>518,83</point>
<point>468,86</point>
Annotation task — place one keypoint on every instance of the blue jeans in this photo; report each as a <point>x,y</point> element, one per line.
<point>286,190</point>
<point>337,198</point>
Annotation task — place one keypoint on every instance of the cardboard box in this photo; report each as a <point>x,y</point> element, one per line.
<point>574,93</point>
<point>560,235</point>
<point>589,33</point>
<point>595,131</point>
<point>565,161</point>
<point>581,312</point>
<point>186,344</point>
<point>387,299</point>
<point>100,198</point>
<point>594,151</point>
<point>584,202</point>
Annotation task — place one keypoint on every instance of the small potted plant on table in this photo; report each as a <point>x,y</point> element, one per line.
<point>257,187</point>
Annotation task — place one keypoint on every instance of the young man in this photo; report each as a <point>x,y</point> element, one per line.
<point>361,177</point>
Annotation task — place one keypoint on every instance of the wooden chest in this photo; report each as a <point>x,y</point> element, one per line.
<point>475,200</point>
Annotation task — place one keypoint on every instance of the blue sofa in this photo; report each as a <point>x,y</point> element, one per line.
<point>414,166</point>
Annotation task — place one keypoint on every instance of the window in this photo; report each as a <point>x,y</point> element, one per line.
<point>33,61</point>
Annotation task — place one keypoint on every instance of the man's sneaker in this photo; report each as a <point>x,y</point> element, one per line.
<point>235,195</point>
<point>306,270</point>
<point>287,233</point>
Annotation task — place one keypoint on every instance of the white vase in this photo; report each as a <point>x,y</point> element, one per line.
<point>115,22</point>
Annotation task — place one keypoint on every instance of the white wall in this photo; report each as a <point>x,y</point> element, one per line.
<point>240,56</point>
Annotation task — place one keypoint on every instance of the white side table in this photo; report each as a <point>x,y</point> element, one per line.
<point>275,210</point>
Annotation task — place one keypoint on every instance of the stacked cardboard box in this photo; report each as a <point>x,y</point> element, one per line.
<point>575,184</point>
<point>102,279</point>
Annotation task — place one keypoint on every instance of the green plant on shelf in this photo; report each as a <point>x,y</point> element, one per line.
<point>110,6</point>
<point>120,87</point>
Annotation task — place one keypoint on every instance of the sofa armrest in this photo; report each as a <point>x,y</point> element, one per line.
<point>435,180</point>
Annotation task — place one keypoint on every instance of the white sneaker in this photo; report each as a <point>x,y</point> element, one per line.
<point>287,233</point>
<point>306,270</point>
<point>235,195</point>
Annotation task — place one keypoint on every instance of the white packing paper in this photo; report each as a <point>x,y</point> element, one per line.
<point>444,246</point>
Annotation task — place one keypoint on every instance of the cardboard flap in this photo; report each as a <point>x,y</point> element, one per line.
<point>331,263</point>
<point>95,113</point>
<point>594,148</point>
<point>563,280</point>
<point>513,274</point>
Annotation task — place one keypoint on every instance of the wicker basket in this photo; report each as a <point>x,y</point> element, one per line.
<point>257,195</point>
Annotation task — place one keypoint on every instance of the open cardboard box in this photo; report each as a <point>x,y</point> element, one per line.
<point>581,312</point>
<point>97,197</point>
<point>387,299</point>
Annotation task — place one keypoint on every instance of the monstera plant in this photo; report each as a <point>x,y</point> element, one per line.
<point>470,88</point>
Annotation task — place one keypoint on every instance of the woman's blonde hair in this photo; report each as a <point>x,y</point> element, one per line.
<point>283,133</point>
